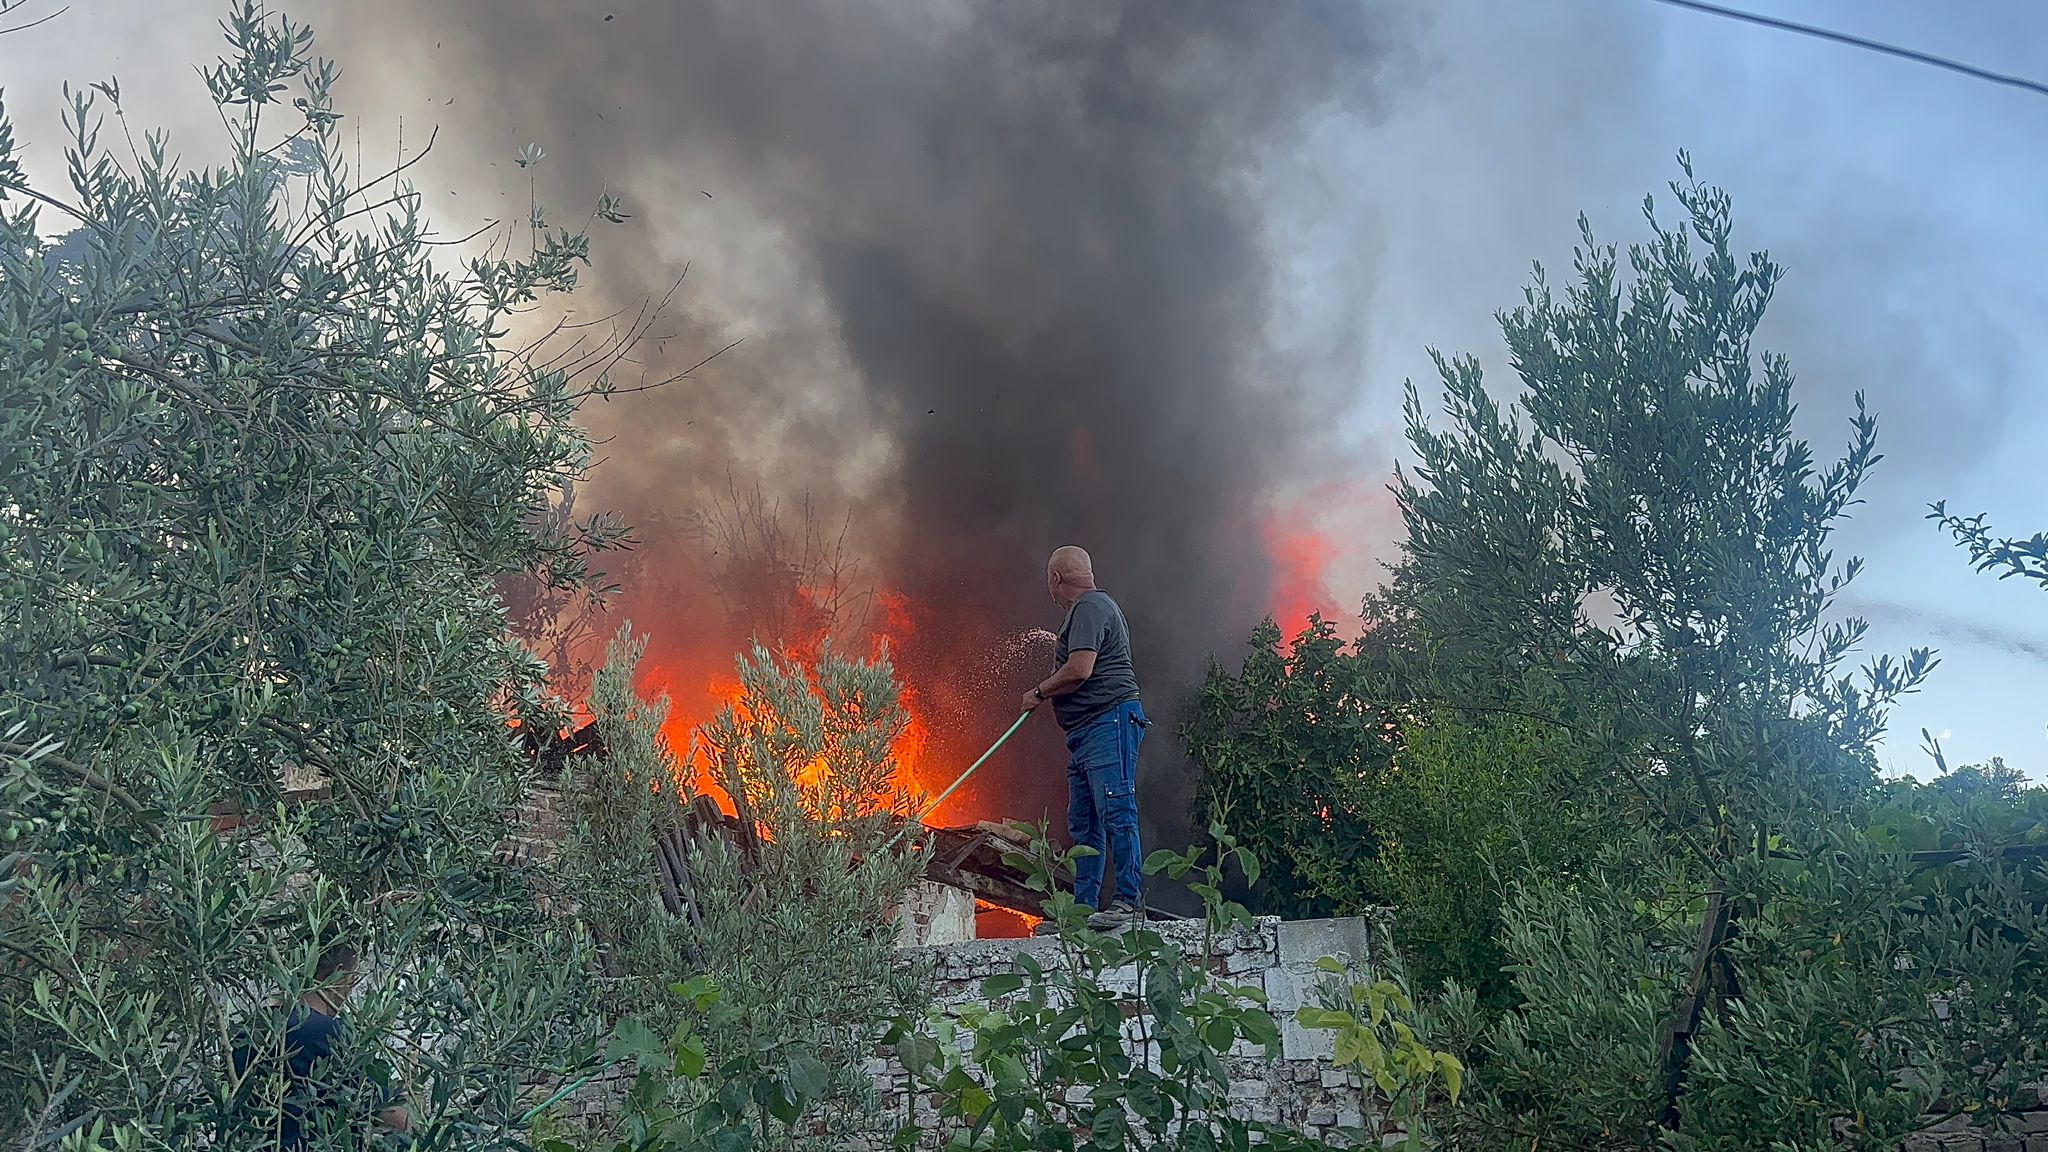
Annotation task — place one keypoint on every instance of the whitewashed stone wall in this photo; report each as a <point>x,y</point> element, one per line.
<point>1300,1089</point>
<point>934,915</point>
<point>1957,1136</point>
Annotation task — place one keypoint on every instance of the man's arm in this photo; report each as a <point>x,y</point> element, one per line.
<point>1086,623</point>
<point>1075,672</point>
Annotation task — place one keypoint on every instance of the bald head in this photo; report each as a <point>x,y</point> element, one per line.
<point>1068,574</point>
<point>1071,561</point>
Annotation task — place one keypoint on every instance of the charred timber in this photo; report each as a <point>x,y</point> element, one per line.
<point>969,858</point>
<point>972,859</point>
<point>550,753</point>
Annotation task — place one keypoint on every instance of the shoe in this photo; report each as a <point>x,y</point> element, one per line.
<point>1051,927</point>
<point>1119,914</point>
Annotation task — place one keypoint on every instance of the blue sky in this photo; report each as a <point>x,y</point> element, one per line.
<point>1905,202</point>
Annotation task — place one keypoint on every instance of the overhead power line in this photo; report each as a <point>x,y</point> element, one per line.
<point>2035,86</point>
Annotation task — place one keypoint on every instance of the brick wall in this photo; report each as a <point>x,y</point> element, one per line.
<point>540,825</point>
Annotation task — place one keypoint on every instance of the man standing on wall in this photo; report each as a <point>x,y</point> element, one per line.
<point>1094,694</point>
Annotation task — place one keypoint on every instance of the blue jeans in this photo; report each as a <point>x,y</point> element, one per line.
<point>1102,800</point>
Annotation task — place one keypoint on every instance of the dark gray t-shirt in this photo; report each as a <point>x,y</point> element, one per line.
<point>1095,624</point>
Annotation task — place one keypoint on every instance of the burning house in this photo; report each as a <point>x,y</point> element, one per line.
<point>1004,281</point>
<point>968,892</point>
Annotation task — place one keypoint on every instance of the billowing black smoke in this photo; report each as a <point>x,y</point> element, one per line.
<point>1010,253</point>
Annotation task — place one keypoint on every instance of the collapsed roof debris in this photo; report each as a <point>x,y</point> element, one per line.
<point>969,858</point>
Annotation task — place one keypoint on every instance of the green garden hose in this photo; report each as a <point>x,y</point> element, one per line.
<point>934,805</point>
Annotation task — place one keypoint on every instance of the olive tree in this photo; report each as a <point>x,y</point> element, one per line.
<point>263,459</point>
<point>1636,550</point>
<point>775,935</point>
<point>2007,556</point>
<point>796,925</point>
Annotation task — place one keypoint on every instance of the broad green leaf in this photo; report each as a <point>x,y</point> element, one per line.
<point>690,1058</point>
<point>1001,985</point>
<point>807,1077</point>
<point>1453,1073</point>
<point>1309,1016</point>
<point>783,1102</point>
<point>1260,1028</point>
<point>632,1040</point>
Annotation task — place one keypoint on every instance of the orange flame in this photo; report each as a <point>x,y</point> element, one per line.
<point>995,922</point>
<point>1300,555</point>
<point>1315,539</point>
<point>699,686</point>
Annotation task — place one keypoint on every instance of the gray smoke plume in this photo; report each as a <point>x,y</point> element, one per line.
<point>1005,284</point>
<point>1949,627</point>
<point>1012,275</point>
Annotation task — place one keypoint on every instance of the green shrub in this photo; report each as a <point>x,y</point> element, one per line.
<point>265,464</point>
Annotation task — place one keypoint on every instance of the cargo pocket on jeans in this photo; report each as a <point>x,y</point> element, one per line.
<point>1112,781</point>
